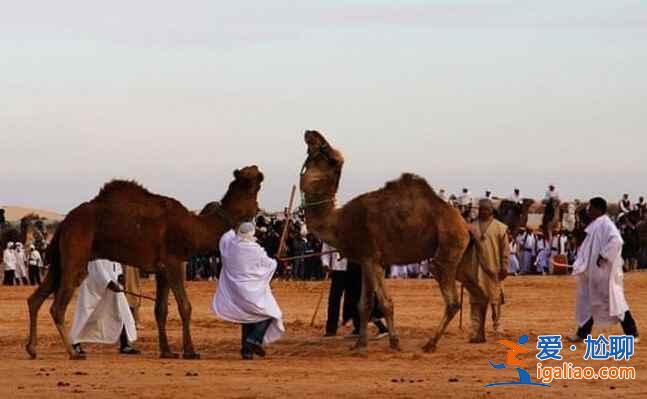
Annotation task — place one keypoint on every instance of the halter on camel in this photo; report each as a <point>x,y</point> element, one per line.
<point>304,169</point>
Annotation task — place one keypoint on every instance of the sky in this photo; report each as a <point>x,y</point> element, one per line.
<point>176,95</point>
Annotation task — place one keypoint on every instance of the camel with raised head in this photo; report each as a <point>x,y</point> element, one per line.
<point>404,222</point>
<point>127,224</point>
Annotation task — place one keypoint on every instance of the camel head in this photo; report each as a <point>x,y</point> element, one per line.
<point>241,200</point>
<point>322,169</point>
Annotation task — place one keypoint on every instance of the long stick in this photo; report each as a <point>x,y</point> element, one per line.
<point>308,256</point>
<point>138,295</point>
<point>460,317</point>
<point>284,234</point>
<point>321,296</point>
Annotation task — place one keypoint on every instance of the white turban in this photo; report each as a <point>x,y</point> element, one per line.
<point>246,232</point>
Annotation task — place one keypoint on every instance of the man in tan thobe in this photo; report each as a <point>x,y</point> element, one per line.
<point>484,268</point>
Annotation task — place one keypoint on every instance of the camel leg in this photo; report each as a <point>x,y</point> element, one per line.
<point>385,302</point>
<point>161,312</point>
<point>365,306</point>
<point>176,282</point>
<point>61,300</point>
<point>34,303</point>
<point>445,266</point>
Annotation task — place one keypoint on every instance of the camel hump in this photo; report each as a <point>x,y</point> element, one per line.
<point>408,181</point>
<point>121,187</point>
<point>134,193</point>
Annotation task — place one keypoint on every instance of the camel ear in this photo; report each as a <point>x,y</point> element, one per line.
<point>237,174</point>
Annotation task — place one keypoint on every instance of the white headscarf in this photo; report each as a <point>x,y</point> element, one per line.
<point>246,232</point>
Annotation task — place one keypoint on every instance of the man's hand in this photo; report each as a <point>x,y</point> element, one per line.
<point>115,287</point>
<point>503,274</point>
<point>601,261</point>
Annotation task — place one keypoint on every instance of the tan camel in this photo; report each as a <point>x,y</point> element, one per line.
<point>128,224</point>
<point>404,222</point>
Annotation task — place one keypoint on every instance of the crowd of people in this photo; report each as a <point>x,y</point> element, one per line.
<point>246,262</point>
<point>22,267</point>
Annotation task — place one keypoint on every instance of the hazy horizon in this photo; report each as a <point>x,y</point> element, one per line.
<point>480,94</point>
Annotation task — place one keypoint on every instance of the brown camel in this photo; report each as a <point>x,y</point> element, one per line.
<point>514,215</point>
<point>552,218</point>
<point>404,222</point>
<point>128,224</point>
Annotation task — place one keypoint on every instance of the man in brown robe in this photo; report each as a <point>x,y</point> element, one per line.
<point>484,268</point>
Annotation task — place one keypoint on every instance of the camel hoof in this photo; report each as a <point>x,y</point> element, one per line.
<point>394,344</point>
<point>359,347</point>
<point>31,351</point>
<point>169,355</point>
<point>477,340</point>
<point>191,356</point>
<point>429,348</point>
<point>78,356</point>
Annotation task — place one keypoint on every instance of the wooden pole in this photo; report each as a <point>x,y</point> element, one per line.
<point>321,296</point>
<point>288,217</point>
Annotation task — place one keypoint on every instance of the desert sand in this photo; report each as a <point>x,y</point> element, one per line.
<point>306,365</point>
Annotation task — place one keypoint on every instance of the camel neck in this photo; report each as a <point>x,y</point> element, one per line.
<point>320,216</point>
<point>211,227</point>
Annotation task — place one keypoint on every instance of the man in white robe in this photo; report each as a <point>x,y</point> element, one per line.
<point>551,195</point>
<point>102,313</point>
<point>21,265</point>
<point>9,264</point>
<point>516,197</point>
<point>542,263</point>
<point>244,295</point>
<point>513,262</point>
<point>527,249</point>
<point>598,269</point>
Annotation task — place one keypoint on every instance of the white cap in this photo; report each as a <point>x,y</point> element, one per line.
<point>246,231</point>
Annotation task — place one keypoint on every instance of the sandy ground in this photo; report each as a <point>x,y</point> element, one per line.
<point>303,364</point>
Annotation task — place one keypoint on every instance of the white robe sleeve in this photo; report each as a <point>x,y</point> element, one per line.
<point>612,250</point>
<point>225,243</point>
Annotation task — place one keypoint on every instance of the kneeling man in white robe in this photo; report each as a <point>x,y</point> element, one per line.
<point>244,295</point>
<point>598,269</point>
<point>102,313</point>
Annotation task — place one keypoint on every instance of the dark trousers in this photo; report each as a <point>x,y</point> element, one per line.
<point>9,277</point>
<point>337,289</point>
<point>353,296</point>
<point>628,326</point>
<point>254,333</point>
<point>34,275</point>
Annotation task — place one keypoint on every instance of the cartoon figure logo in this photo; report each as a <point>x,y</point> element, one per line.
<point>514,350</point>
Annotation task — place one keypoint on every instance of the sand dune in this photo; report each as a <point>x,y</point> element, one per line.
<point>14,213</point>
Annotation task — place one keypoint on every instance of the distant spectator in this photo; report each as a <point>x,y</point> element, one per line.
<point>35,263</point>
<point>9,264</point>
<point>21,265</point>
